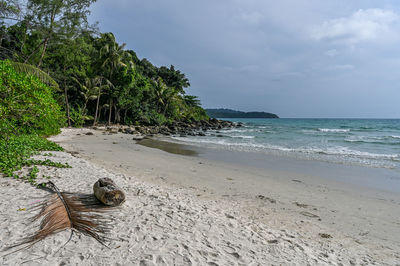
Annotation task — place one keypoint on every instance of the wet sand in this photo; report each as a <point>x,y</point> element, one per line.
<point>169,147</point>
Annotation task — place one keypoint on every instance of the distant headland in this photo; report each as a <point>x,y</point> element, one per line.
<point>229,113</point>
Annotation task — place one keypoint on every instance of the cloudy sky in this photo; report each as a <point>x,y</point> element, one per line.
<point>295,58</point>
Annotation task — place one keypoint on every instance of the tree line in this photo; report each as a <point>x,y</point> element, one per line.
<point>95,79</point>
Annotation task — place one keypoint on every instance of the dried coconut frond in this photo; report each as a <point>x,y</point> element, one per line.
<point>62,211</point>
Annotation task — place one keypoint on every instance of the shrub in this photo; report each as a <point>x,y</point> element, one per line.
<point>15,151</point>
<point>27,105</point>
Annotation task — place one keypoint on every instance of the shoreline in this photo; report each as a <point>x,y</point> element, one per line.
<point>370,178</point>
<point>326,223</point>
<point>354,210</point>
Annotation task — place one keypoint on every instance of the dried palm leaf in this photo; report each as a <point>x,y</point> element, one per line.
<point>62,211</point>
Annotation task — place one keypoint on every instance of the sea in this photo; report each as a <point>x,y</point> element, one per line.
<point>364,142</point>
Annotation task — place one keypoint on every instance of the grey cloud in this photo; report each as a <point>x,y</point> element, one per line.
<point>362,26</point>
<point>258,54</point>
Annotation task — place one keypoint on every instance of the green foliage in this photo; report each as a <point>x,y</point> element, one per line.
<point>9,9</point>
<point>37,72</point>
<point>155,118</point>
<point>27,105</point>
<point>46,162</point>
<point>100,80</point>
<point>77,118</point>
<point>15,151</point>
<point>33,175</point>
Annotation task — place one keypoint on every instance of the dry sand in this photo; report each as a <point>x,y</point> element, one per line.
<point>183,210</point>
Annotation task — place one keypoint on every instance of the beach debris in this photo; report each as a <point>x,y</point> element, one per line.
<point>262,197</point>
<point>229,216</point>
<point>296,180</point>
<point>64,210</point>
<point>324,235</point>
<point>309,214</point>
<point>108,192</point>
<point>301,205</point>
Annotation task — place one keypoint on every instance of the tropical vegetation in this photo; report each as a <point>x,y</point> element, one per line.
<point>56,70</point>
<point>98,80</point>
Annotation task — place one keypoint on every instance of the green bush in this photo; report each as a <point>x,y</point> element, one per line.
<point>27,106</point>
<point>15,151</point>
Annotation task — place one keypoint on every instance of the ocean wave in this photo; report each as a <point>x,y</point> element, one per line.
<point>338,130</point>
<point>243,130</point>
<point>385,140</point>
<point>395,137</point>
<point>307,131</point>
<point>344,151</point>
<point>243,137</point>
<point>330,151</point>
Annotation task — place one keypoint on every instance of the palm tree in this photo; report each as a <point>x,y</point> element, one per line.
<point>191,101</point>
<point>164,95</point>
<point>102,87</point>
<point>89,90</point>
<point>37,72</point>
<point>111,55</point>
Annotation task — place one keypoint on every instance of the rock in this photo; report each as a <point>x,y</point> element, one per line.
<point>108,192</point>
<point>129,131</point>
<point>137,137</point>
<point>89,133</point>
<point>112,130</point>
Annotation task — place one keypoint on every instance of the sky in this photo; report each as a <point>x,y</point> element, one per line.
<point>295,58</point>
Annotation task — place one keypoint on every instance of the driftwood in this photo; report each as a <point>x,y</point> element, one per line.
<point>108,192</point>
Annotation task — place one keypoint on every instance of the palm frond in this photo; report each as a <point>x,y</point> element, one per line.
<point>62,211</point>
<point>37,72</point>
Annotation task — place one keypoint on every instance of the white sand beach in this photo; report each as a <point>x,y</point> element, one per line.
<point>186,210</point>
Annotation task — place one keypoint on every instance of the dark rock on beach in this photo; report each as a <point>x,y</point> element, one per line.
<point>183,129</point>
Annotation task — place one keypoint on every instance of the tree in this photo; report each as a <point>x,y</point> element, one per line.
<point>174,78</point>
<point>57,18</point>
<point>10,10</point>
<point>111,55</point>
<point>89,90</point>
<point>71,60</point>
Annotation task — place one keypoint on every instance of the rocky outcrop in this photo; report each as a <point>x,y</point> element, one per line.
<point>182,129</point>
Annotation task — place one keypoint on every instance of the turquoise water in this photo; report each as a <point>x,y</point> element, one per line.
<point>367,142</point>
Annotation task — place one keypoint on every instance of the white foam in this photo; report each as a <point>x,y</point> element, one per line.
<point>338,130</point>
<point>334,150</point>
<point>244,137</point>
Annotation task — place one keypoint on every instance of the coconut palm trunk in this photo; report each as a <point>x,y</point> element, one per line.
<point>110,111</point>
<point>97,106</point>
